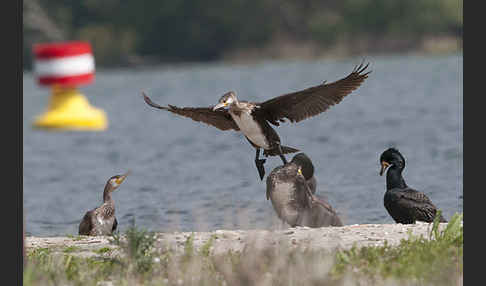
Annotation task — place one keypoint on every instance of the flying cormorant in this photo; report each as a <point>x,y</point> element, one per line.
<point>293,200</point>
<point>404,204</point>
<point>102,220</point>
<point>253,118</point>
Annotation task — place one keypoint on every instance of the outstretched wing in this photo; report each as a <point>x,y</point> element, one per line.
<point>220,119</point>
<point>309,102</point>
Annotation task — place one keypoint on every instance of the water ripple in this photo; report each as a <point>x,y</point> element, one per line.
<point>188,175</point>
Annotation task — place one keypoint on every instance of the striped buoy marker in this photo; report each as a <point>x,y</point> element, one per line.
<point>63,67</point>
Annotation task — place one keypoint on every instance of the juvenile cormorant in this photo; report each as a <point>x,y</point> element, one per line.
<point>404,204</point>
<point>253,118</point>
<point>293,200</point>
<point>102,220</point>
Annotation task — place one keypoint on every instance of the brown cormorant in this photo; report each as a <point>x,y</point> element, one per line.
<point>102,220</point>
<point>404,204</point>
<point>293,200</point>
<point>253,118</point>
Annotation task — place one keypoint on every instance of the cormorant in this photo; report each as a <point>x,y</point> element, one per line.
<point>253,118</point>
<point>102,220</point>
<point>404,204</point>
<point>293,200</point>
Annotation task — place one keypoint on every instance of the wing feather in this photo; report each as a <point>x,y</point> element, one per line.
<point>115,224</point>
<point>309,102</point>
<point>86,225</point>
<point>220,119</point>
<point>418,204</point>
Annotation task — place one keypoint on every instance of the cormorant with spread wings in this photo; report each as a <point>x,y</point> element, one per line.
<point>253,119</point>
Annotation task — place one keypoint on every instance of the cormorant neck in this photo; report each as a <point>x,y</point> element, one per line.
<point>237,103</point>
<point>107,195</point>
<point>394,178</point>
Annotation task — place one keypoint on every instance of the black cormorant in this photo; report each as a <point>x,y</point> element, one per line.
<point>253,118</point>
<point>102,220</point>
<point>292,198</point>
<point>404,204</point>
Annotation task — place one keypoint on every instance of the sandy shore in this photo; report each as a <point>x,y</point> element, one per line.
<point>326,238</point>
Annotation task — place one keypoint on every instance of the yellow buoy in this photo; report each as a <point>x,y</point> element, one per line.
<point>63,67</point>
<point>68,109</point>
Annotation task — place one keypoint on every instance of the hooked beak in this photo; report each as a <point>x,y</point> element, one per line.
<point>220,105</point>
<point>122,178</point>
<point>384,165</point>
<point>300,171</point>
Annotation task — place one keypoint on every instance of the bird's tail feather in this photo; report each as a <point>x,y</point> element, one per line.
<point>275,152</point>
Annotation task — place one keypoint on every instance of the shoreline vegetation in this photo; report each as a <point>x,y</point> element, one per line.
<point>127,34</point>
<point>376,254</point>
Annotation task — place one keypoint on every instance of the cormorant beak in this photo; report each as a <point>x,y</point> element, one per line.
<point>220,105</point>
<point>122,178</point>
<point>300,171</point>
<point>384,165</point>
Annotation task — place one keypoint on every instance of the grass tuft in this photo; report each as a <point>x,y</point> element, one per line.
<point>70,249</point>
<point>103,250</point>
<point>137,245</point>
<point>437,260</point>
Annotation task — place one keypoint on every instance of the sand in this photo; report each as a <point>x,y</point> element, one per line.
<point>325,238</point>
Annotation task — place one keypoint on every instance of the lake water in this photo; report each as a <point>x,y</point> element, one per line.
<point>189,176</point>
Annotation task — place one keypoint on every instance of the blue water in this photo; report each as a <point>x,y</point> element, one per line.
<point>190,176</point>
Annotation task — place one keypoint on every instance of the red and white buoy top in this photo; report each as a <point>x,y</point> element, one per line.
<point>64,63</point>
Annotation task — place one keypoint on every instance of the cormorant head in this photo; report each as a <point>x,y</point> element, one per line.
<point>390,157</point>
<point>115,181</point>
<point>225,100</point>
<point>305,165</point>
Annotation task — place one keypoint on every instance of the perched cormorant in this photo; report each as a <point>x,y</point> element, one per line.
<point>292,198</point>
<point>253,118</point>
<point>102,220</point>
<point>404,204</point>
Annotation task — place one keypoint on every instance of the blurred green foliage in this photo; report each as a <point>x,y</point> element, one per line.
<point>132,32</point>
<point>436,260</point>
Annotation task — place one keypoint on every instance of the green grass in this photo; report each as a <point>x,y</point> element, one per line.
<point>138,247</point>
<point>103,250</point>
<point>415,261</point>
<point>206,248</point>
<point>70,249</point>
<point>76,237</point>
<point>437,260</point>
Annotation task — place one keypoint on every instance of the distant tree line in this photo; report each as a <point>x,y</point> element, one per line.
<point>128,32</point>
